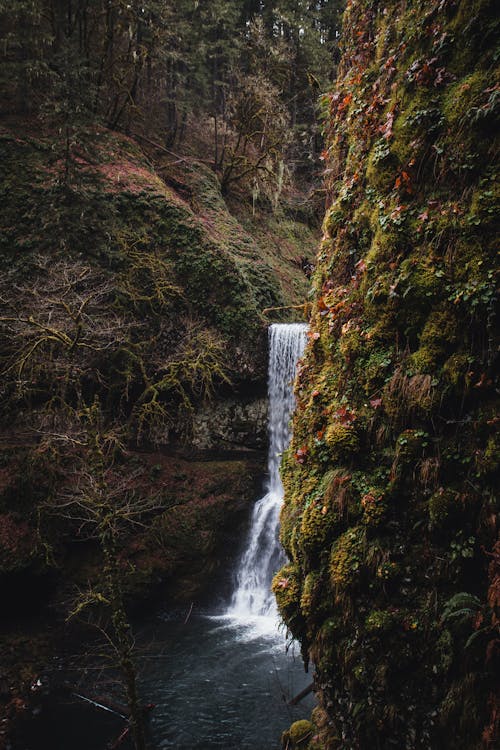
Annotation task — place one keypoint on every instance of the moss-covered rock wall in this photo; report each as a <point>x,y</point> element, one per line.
<point>390,515</point>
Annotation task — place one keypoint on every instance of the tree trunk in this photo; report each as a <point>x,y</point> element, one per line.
<point>123,640</point>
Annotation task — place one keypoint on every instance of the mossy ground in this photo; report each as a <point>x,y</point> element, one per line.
<point>396,394</point>
<point>127,278</point>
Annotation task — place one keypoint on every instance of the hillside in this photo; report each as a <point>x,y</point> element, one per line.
<point>128,283</point>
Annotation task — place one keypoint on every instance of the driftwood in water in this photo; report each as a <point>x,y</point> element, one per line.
<point>302,694</point>
<point>105,704</point>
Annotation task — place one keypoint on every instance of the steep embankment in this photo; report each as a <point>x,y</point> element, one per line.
<point>125,278</point>
<point>390,514</point>
<point>125,282</point>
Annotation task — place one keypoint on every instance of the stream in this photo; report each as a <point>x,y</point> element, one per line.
<point>221,685</point>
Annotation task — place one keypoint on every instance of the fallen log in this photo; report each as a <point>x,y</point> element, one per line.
<point>301,695</point>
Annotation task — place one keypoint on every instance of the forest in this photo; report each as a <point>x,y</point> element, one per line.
<point>249,375</point>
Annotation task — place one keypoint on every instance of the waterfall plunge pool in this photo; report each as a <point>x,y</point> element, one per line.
<point>226,680</point>
<point>216,682</point>
<point>220,683</point>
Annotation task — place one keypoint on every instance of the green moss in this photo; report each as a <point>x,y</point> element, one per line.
<point>314,527</point>
<point>374,507</point>
<point>449,510</point>
<point>374,369</point>
<point>436,340</point>
<point>309,600</point>
<point>287,589</point>
<point>418,282</point>
<point>334,218</point>
<point>379,621</point>
<point>444,650</point>
<point>382,166</point>
<point>298,736</point>
<point>464,97</point>
<point>341,440</point>
<point>403,378</point>
<point>410,448</point>
<point>456,370</point>
<point>484,206</point>
<point>347,558</point>
<point>351,344</point>
<point>443,506</point>
<point>488,461</point>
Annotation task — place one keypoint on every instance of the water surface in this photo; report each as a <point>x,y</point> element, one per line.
<point>221,684</point>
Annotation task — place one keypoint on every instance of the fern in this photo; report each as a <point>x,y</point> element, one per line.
<point>461,606</point>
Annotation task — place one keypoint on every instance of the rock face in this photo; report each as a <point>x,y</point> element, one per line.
<point>231,425</point>
<point>390,515</point>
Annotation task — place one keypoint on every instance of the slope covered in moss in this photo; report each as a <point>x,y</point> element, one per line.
<point>125,278</point>
<point>390,509</point>
<point>128,283</point>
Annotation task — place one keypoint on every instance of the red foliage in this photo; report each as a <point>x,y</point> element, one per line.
<point>386,128</point>
<point>344,415</point>
<point>301,454</point>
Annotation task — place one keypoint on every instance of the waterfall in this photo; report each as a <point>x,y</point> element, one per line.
<point>263,554</point>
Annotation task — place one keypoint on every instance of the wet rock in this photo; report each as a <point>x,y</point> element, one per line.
<point>231,425</point>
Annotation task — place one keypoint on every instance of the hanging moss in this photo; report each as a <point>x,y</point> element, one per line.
<point>287,589</point>
<point>309,601</point>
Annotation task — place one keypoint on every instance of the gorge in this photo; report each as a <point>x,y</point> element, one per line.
<point>181,185</point>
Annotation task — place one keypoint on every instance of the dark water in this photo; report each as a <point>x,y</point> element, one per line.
<point>217,684</point>
<point>66,724</point>
<point>220,684</point>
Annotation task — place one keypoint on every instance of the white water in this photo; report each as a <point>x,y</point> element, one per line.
<point>253,602</point>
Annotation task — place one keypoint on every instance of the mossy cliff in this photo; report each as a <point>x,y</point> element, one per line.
<point>390,517</point>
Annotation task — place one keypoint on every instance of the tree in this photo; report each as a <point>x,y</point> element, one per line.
<point>99,497</point>
<point>162,67</point>
<point>258,125</point>
<point>70,332</point>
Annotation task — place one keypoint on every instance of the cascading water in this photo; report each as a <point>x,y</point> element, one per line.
<point>263,554</point>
